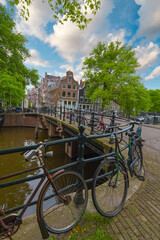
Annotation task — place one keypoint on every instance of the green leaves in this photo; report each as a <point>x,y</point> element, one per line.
<point>14,75</point>
<point>110,71</point>
<point>68,9</point>
<point>155,100</point>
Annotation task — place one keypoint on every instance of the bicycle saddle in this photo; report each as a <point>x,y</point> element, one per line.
<point>130,134</point>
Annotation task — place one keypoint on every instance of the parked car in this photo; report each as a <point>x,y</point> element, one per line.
<point>18,109</point>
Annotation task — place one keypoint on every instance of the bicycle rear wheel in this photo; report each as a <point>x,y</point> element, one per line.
<point>58,215</point>
<point>109,194</point>
<point>136,151</point>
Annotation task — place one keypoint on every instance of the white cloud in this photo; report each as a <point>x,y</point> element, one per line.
<point>61,74</point>
<point>66,67</point>
<point>149,21</point>
<point>147,55</point>
<point>69,41</point>
<point>40,15</point>
<point>36,59</point>
<point>155,73</point>
<point>3,2</point>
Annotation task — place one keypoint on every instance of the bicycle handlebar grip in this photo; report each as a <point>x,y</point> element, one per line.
<point>29,154</point>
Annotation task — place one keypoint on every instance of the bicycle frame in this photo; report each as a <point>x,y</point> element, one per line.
<point>120,157</point>
<point>128,162</point>
<point>19,216</point>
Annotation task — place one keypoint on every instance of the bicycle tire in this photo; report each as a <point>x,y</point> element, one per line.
<point>136,152</point>
<point>104,194</point>
<point>57,215</point>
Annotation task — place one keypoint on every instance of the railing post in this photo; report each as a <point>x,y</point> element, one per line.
<point>64,113</point>
<point>154,119</point>
<point>112,119</point>
<point>60,112</point>
<point>92,123</point>
<point>79,117</point>
<point>79,199</point>
<point>132,128</point>
<point>112,123</point>
<point>81,148</point>
<point>70,119</point>
<point>55,111</point>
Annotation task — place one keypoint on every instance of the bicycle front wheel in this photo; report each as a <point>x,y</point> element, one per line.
<point>58,215</point>
<point>110,185</point>
<point>138,158</point>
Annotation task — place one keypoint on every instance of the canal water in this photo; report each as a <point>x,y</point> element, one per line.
<point>11,163</point>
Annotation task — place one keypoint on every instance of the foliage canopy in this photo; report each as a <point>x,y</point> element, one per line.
<point>110,73</point>
<point>155,100</point>
<point>14,75</point>
<point>75,10</point>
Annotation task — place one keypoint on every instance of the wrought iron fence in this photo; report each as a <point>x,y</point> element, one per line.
<point>80,162</point>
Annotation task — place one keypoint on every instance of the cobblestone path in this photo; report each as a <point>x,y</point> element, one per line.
<point>140,217</point>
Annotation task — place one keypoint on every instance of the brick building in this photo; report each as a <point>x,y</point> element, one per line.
<point>65,93</point>
<point>55,91</point>
<point>49,82</point>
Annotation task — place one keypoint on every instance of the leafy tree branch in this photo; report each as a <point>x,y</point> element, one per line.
<point>75,10</point>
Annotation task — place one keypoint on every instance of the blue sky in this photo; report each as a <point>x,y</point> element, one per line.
<point>56,48</point>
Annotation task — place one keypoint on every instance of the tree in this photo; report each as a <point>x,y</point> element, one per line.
<point>155,100</point>
<point>64,9</point>
<point>14,75</point>
<point>110,73</point>
<point>134,97</point>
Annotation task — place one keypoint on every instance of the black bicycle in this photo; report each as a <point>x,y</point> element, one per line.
<point>111,182</point>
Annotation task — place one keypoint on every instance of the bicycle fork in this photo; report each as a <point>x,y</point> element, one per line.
<point>112,175</point>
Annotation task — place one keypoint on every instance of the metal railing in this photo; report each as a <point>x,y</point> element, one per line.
<point>80,163</point>
<point>88,118</point>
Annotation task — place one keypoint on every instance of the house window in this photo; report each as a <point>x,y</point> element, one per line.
<point>81,99</point>
<point>69,103</point>
<point>69,94</point>
<point>63,94</point>
<point>63,85</point>
<point>69,80</point>
<point>74,87</point>
<point>74,104</point>
<point>69,86</point>
<point>74,95</point>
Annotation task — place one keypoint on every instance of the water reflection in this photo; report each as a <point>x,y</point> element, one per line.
<point>11,163</point>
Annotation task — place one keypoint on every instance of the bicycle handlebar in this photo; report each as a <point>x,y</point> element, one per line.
<point>31,153</point>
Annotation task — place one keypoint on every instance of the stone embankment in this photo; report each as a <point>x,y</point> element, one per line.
<point>20,120</point>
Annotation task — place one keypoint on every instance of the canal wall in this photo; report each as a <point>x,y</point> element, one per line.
<point>21,120</point>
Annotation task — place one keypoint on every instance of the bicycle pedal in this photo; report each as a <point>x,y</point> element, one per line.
<point>141,178</point>
<point>3,207</point>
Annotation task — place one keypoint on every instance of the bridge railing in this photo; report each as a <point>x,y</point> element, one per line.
<point>79,163</point>
<point>97,122</point>
<point>64,113</point>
